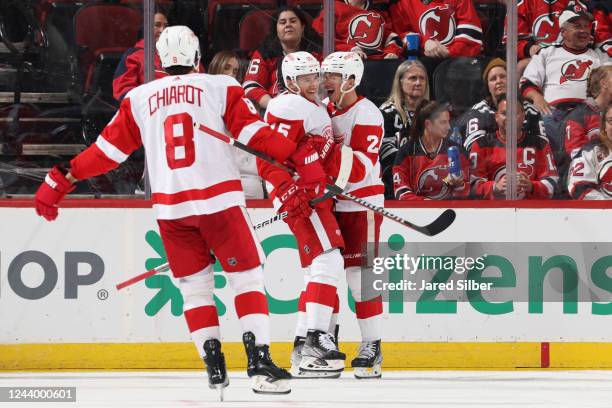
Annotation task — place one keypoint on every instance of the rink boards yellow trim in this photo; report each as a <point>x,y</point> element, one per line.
<point>397,356</point>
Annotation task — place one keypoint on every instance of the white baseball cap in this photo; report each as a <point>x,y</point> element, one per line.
<point>569,15</point>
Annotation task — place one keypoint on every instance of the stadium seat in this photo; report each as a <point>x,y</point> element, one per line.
<point>458,81</point>
<point>101,28</point>
<point>254,27</point>
<point>310,7</point>
<point>377,79</point>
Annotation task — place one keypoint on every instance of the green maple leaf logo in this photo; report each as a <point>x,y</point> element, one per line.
<point>167,292</point>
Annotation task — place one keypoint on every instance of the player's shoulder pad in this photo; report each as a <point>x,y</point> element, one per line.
<point>290,106</point>
<point>368,113</point>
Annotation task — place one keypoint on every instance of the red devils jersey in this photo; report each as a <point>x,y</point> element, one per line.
<point>191,173</point>
<point>418,175</point>
<point>590,177</point>
<point>581,126</point>
<point>603,29</point>
<point>452,22</point>
<point>533,158</point>
<point>364,28</point>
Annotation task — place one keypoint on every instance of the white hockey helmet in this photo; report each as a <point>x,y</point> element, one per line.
<point>178,45</point>
<point>299,63</point>
<point>346,63</point>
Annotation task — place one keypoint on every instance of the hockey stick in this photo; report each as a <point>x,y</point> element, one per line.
<point>165,267</point>
<point>441,223</point>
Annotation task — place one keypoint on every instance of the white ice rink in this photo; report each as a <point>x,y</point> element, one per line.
<point>433,389</point>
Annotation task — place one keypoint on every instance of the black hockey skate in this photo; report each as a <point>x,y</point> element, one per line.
<point>268,378</point>
<point>368,362</point>
<point>320,356</point>
<point>215,366</point>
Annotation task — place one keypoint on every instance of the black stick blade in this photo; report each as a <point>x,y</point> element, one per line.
<point>441,223</point>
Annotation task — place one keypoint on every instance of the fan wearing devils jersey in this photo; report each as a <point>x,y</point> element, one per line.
<point>299,117</point>
<point>590,177</point>
<point>537,174</point>
<point>358,130</point>
<point>447,27</point>
<point>361,29</point>
<point>602,12</point>
<point>289,32</point>
<point>421,168</point>
<point>196,193</point>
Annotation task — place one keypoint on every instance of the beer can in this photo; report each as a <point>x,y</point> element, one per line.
<point>412,45</point>
<point>454,161</point>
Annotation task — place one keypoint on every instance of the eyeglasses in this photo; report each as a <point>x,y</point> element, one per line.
<point>608,121</point>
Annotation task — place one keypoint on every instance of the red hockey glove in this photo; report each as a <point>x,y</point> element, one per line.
<point>308,166</point>
<point>323,145</point>
<point>295,199</point>
<point>51,192</point>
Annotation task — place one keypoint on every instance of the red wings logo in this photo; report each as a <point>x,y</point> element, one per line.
<point>438,23</point>
<point>575,70</point>
<point>546,30</point>
<point>367,30</point>
<point>430,182</point>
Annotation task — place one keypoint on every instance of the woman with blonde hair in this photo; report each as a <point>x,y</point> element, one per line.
<point>225,63</point>
<point>590,175</point>
<point>410,87</point>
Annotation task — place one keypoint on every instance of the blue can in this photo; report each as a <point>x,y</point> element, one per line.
<point>454,162</point>
<point>412,45</point>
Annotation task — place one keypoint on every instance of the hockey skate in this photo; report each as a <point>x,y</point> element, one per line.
<point>368,362</point>
<point>267,377</point>
<point>215,366</point>
<point>296,356</point>
<point>320,356</point>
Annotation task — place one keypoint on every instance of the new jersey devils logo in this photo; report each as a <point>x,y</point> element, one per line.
<point>367,30</point>
<point>526,169</point>
<point>430,182</point>
<point>438,23</point>
<point>606,179</point>
<point>575,70</point>
<point>546,30</point>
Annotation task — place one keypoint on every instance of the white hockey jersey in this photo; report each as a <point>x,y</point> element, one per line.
<point>590,176</point>
<point>294,117</point>
<point>560,74</point>
<point>361,126</point>
<point>191,173</point>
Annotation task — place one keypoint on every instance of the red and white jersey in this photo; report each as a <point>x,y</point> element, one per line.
<point>533,158</point>
<point>590,177</point>
<point>603,29</point>
<point>294,117</point>
<point>454,23</point>
<point>361,27</point>
<point>361,127</point>
<point>560,74</point>
<point>191,173</point>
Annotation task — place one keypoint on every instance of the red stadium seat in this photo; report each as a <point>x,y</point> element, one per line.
<point>100,27</point>
<point>310,7</point>
<point>254,28</point>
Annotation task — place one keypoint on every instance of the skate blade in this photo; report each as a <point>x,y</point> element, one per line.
<point>299,374</point>
<point>317,364</point>
<point>363,373</point>
<point>271,386</point>
<point>221,390</point>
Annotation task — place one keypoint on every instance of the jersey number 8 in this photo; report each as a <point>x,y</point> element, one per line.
<point>178,135</point>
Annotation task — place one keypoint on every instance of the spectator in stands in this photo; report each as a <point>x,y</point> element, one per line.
<point>480,119</point>
<point>555,79</point>
<point>602,12</point>
<point>447,28</point>
<point>410,87</point>
<point>225,63</point>
<point>590,177</point>
<point>289,32</point>
<point>130,71</point>
<point>421,171</point>
<point>362,30</point>
<point>537,174</point>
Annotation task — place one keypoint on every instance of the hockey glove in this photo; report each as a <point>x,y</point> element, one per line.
<point>51,192</point>
<point>295,199</point>
<point>308,166</point>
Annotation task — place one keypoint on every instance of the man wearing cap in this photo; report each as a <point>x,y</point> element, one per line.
<point>555,79</point>
<point>480,118</point>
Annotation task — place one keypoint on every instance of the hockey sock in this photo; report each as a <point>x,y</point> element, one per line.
<point>368,312</point>
<point>321,289</point>
<point>334,318</point>
<point>199,307</point>
<point>301,327</point>
<point>251,303</point>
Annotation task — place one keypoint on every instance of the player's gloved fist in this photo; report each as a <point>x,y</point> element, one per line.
<point>295,199</point>
<point>307,163</point>
<point>51,192</point>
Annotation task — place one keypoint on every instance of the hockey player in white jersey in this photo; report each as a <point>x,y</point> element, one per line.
<point>297,115</point>
<point>358,124</point>
<point>197,195</point>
